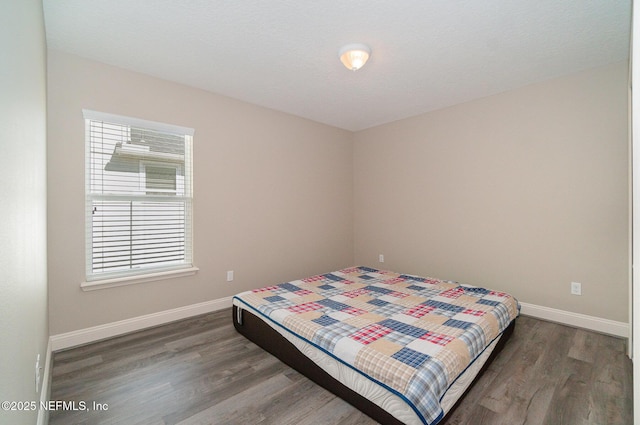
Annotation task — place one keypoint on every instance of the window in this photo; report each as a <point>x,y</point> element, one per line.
<point>160,179</point>
<point>138,198</point>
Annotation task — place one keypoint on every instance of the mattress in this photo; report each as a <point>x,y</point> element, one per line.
<point>410,345</point>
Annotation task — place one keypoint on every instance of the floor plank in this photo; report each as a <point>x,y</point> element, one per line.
<point>201,371</point>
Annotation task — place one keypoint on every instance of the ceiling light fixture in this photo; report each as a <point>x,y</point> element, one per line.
<point>354,56</point>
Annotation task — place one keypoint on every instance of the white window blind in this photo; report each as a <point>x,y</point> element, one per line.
<point>138,196</point>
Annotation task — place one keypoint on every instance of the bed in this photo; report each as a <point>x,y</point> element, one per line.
<point>401,348</point>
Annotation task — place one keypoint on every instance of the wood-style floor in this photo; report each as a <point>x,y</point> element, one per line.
<point>200,371</point>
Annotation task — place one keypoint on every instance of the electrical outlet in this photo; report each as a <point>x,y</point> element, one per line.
<point>576,288</point>
<point>38,373</point>
<point>230,276</point>
<point>381,258</point>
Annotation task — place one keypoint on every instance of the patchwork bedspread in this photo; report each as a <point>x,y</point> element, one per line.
<point>410,334</point>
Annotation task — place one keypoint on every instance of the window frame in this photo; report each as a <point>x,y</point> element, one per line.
<point>99,280</point>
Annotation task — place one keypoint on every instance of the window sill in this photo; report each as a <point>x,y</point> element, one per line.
<point>132,280</point>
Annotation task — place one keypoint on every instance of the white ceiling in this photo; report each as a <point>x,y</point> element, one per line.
<point>426,54</point>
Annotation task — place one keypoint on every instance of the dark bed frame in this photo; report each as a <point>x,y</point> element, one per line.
<point>263,335</point>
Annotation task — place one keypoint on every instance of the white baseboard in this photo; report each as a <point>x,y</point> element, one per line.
<point>97,333</point>
<point>45,389</point>
<point>597,324</point>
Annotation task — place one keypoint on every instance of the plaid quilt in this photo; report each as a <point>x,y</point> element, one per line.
<point>412,335</point>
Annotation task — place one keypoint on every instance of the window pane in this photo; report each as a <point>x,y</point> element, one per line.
<point>133,234</point>
<point>119,153</point>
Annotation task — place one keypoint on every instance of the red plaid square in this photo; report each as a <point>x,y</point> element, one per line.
<point>353,311</point>
<point>419,310</point>
<point>350,270</point>
<point>303,292</point>
<point>474,312</point>
<point>398,294</point>
<point>355,293</point>
<point>370,333</point>
<point>432,281</point>
<point>266,289</point>
<point>303,308</point>
<point>313,279</point>
<point>437,338</point>
<point>393,281</point>
<point>498,294</point>
<point>453,293</point>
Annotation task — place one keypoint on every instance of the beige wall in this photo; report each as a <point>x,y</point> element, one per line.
<point>23,256</point>
<point>524,191</point>
<point>273,192</point>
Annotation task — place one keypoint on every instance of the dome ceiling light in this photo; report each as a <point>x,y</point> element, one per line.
<point>354,56</point>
